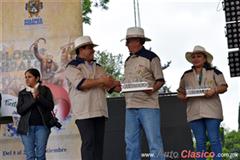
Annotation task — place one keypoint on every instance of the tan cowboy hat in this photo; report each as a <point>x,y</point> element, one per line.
<point>199,49</point>
<point>82,41</point>
<point>136,32</point>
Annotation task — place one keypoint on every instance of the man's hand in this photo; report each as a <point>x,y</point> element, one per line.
<point>107,81</point>
<point>117,86</point>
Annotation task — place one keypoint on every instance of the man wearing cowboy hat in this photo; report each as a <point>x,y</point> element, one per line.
<point>204,113</point>
<point>142,108</point>
<point>87,85</point>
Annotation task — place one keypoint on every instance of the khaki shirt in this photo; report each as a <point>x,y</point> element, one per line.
<point>142,66</point>
<point>88,103</point>
<point>203,107</point>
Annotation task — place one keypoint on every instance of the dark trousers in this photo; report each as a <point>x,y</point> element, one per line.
<point>92,134</point>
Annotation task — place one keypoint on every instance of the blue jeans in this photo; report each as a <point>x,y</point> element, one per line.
<point>35,142</point>
<point>149,120</point>
<point>203,127</point>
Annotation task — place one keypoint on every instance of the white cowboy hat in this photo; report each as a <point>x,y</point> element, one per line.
<point>135,32</point>
<point>199,49</point>
<point>82,41</point>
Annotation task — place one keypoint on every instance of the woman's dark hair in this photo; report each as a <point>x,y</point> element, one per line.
<point>35,73</point>
<point>207,65</point>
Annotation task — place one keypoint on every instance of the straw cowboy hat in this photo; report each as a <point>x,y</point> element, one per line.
<point>199,49</point>
<point>82,41</point>
<point>135,32</point>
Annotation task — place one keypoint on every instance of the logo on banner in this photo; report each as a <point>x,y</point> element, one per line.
<point>33,7</point>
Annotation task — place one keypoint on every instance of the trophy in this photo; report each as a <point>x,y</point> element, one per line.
<point>134,85</point>
<point>196,92</point>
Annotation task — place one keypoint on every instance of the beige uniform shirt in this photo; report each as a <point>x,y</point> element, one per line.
<point>88,103</point>
<point>142,66</point>
<point>203,107</point>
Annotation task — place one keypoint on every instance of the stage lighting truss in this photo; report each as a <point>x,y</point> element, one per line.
<point>234,63</point>
<point>233,34</point>
<point>232,10</point>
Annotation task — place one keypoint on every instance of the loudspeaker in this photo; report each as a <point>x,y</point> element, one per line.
<point>175,132</point>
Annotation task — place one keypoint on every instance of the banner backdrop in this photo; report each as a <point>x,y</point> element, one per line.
<point>40,34</point>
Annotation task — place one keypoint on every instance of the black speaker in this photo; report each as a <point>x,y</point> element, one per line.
<point>175,132</point>
<point>6,119</point>
<point>114,144</point>
<point>234,62</point>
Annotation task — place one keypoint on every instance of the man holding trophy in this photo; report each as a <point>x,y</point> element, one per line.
<point>143,79</point>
